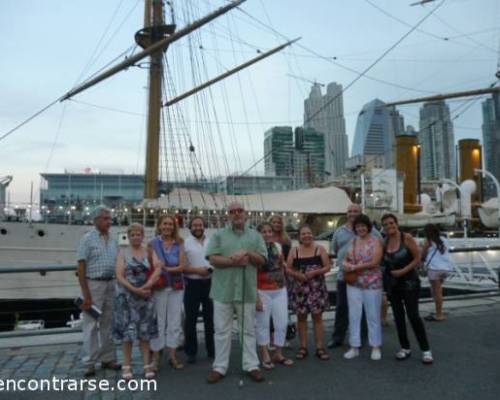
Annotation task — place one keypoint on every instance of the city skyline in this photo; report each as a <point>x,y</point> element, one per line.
<point>79,134</point>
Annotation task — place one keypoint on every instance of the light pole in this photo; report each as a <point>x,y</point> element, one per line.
<point>497,186</point>
<point>459,188</point>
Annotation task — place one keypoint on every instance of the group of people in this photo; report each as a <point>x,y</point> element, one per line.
<point>152,294</point>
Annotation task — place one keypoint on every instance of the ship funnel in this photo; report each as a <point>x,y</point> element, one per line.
<point>470,157</point>
<point>408,165</point>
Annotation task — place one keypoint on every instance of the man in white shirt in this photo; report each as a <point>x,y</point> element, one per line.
<point>198,281</point>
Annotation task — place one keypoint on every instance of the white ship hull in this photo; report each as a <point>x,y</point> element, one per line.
<point>23,245</point>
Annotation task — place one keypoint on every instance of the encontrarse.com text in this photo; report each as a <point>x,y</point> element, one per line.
<point>56,384</point>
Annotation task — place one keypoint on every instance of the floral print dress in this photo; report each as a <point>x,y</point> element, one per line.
<point>311,296</point>
<point>134,317</point>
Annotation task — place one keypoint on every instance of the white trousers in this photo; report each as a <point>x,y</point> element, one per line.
<point>275,305</point>
<point>371,300</point>
<point>97,336</point>
<point>223,324</point>
<point>168,308</point>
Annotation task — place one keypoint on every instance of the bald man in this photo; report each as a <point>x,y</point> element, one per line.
<point>235,251</point>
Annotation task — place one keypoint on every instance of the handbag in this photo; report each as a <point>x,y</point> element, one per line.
<point>422,271</point>
<point>160,283</point>
<point>351,277</point>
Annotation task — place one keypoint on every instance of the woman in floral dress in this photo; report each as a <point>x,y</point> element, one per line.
<point>308,264</point>
<point>134,314</point>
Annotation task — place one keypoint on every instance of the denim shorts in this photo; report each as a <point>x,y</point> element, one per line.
<point>436,275</point>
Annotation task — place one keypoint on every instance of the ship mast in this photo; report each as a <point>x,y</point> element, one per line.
<point>154,31</point>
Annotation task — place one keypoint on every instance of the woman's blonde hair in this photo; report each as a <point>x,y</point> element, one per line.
<point>284,236</point>
<point>176,236</point>
<point>135,227</point>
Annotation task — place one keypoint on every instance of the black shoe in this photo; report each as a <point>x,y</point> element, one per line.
<point>333,344</point>
<point>191,359</point>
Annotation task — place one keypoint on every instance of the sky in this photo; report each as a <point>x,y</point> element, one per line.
<point>49,46</point>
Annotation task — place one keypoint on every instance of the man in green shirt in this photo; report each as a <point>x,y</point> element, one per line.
<point>235,251</point>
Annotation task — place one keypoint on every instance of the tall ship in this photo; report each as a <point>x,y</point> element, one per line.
<point>41,238</point>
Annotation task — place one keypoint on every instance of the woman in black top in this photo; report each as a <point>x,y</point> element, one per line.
<point>402,284</point>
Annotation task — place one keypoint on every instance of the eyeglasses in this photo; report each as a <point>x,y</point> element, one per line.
<point>236,211</point>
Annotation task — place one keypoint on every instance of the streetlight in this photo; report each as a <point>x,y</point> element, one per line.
<point>497,186</point>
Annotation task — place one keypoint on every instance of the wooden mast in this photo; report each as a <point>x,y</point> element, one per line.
<point>155,32</point>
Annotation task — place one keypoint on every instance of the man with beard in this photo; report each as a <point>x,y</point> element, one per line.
<point>198,280</point>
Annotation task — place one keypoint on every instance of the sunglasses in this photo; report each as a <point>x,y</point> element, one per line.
<point>237,211</point>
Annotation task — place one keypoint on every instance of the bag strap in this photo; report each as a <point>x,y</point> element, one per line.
<point>432,256</point>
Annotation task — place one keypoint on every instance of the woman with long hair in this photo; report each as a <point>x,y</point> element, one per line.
<point>365,290</point>
<point>402,284</point>
<point>272,301</point>
<point>279,234</point>
<point>167,253</point>
<point>439,265</point>
<point>307,264</point>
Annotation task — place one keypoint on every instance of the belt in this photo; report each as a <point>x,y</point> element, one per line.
<point>102,278</point>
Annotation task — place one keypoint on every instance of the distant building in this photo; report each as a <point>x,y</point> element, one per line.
<point>278,147</point>
<point>298,154</point>
<point>366,162</point>
<point>411,131</point>
<point>325,114</point>
<point>240,185</point>
<point>308,158</point>
<point>376,129</point>
<point>491,140</point>
<point>437,141</point>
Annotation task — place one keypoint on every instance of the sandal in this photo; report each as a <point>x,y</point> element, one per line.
<point>267,365</point>
<point>149,372</point>
<point>175,364</point>
<point>403,354</point>
<point>302,353</point>
<point>287,362</point>
<point>127,373</point>
<point>322,354</point>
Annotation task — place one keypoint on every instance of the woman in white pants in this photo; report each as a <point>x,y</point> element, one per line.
<point>363,259</point>
<point>272,301</point>
<point>167,252</point>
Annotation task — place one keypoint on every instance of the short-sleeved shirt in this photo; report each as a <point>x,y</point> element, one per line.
<point>340,245</point>
<point>195,255</point>
<point>98,254</point>
<point>227,282</point>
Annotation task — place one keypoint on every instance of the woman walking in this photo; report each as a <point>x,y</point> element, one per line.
<point>272,301</point>
<point>307,264</point>
<point>167,252</point>
<point>364,289</point>
<point>401,257</point>
<point>134,314</point>
<point>439,265</point>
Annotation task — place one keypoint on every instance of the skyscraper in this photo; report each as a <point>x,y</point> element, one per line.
<point>437,141</point>
<point>278,147</point>
<point>298,154</point>
<point>376,129</point>
<point>308,157</point>
<point>325,114</point>
<point>491,137</point>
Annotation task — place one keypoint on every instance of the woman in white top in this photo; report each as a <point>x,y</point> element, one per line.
<point>439,265</point>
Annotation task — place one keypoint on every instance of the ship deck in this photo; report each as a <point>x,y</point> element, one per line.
<point>466,350</point>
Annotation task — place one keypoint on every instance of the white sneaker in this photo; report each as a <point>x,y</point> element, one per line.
<point>352,353</point>
<point>403,354</point>
<point>427,357</point>
<point>376,355</point>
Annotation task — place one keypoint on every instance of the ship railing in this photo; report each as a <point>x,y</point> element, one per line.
<point>478,271</point>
